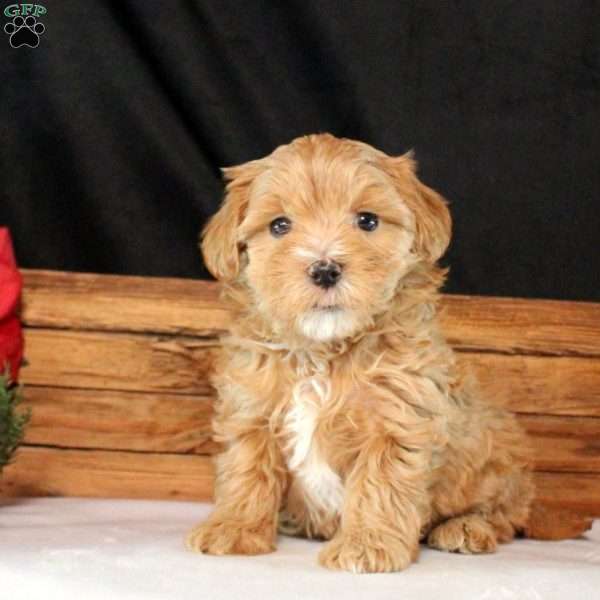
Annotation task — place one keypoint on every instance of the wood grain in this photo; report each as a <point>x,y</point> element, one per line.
<point>116,420</point>
<point>84,359</point>
<point>160,305</point>
<point>574,491</point>
<point>57,299</point>
<point>516,325</point>
<point>539,384</point>
<point>97,473</point>
<point>118,383</point>
<point>102,474</point>
<point>150,363</point>
<point>103,419</point>
<point>564,443</point>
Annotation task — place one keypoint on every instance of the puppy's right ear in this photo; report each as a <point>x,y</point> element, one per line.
<point>433,222</point>
<point>220,244</point>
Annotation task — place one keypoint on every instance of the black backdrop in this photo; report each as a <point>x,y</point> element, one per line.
<point>113,129</point>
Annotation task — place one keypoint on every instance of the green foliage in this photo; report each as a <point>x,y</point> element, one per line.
<point>12,423</point>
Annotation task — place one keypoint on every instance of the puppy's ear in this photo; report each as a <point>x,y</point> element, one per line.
<point>220,244</point>
<point>432,217</point>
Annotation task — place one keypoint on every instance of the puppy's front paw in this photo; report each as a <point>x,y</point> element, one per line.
<point>366,552</point>
<point>230,537</point>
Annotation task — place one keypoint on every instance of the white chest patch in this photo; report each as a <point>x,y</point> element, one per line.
<point>322,487</point>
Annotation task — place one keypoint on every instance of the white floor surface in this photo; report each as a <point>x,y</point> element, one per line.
<point>82,549</point>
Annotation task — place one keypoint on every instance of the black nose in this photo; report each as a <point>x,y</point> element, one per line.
<point>325,273</point>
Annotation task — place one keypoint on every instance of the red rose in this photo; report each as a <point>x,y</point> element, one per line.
<point>11,338</point>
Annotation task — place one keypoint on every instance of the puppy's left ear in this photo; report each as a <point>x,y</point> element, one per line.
<point>220,244</point>
<point>432,217</point>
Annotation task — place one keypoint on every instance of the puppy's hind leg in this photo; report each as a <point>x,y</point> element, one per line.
<point>500,512</point>
<point>467,534</point>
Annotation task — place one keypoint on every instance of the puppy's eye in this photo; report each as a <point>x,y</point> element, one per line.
<point>280,226</point>
<point>367,221</point>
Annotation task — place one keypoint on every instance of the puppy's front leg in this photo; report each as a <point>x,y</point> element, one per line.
<point>383,509</point>
<point>248,487</point>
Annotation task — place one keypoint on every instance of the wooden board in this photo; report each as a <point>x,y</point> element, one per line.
<point>150,363</point>
<point>158,305</point>
<point>515,325</point>
<point>67,418</point>
<point>116,420</point>
<point>564,443</point>
<point>105,474</point>
<point>547,385</point>
<point>62,300</point>
<point>118,383</point>
<point>91,360</point>
<point>578,492</point>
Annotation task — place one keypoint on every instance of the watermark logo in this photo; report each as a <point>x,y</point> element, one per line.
<point>25,28</point>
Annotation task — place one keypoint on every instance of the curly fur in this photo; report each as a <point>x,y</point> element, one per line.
<point>343,413</point>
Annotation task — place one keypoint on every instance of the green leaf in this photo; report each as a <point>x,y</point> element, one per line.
<point>12,422</point>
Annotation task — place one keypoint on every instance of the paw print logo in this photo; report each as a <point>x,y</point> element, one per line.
<point>24,31</point>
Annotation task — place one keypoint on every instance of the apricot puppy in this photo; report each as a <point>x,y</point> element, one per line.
<point>342,412</point>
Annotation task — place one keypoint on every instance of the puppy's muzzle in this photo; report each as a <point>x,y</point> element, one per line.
<point>325,273</point>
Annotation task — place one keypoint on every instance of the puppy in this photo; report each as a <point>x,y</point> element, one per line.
<point>343,414</point>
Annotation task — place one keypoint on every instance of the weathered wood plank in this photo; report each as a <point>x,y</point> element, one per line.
<point>564,443</point>
<point>56,299</point>
<point>116,420</point>
<point>574,491</point>
<point>516,325</point>
<point>539,384</point>
<point>96,473</point>
<point>137,362</point>
<point>533,356</point>
<point>159,305</point>
<point>104,419</point>
<point>83,359</point>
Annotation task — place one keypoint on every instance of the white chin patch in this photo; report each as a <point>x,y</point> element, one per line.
<point>325,325</point>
